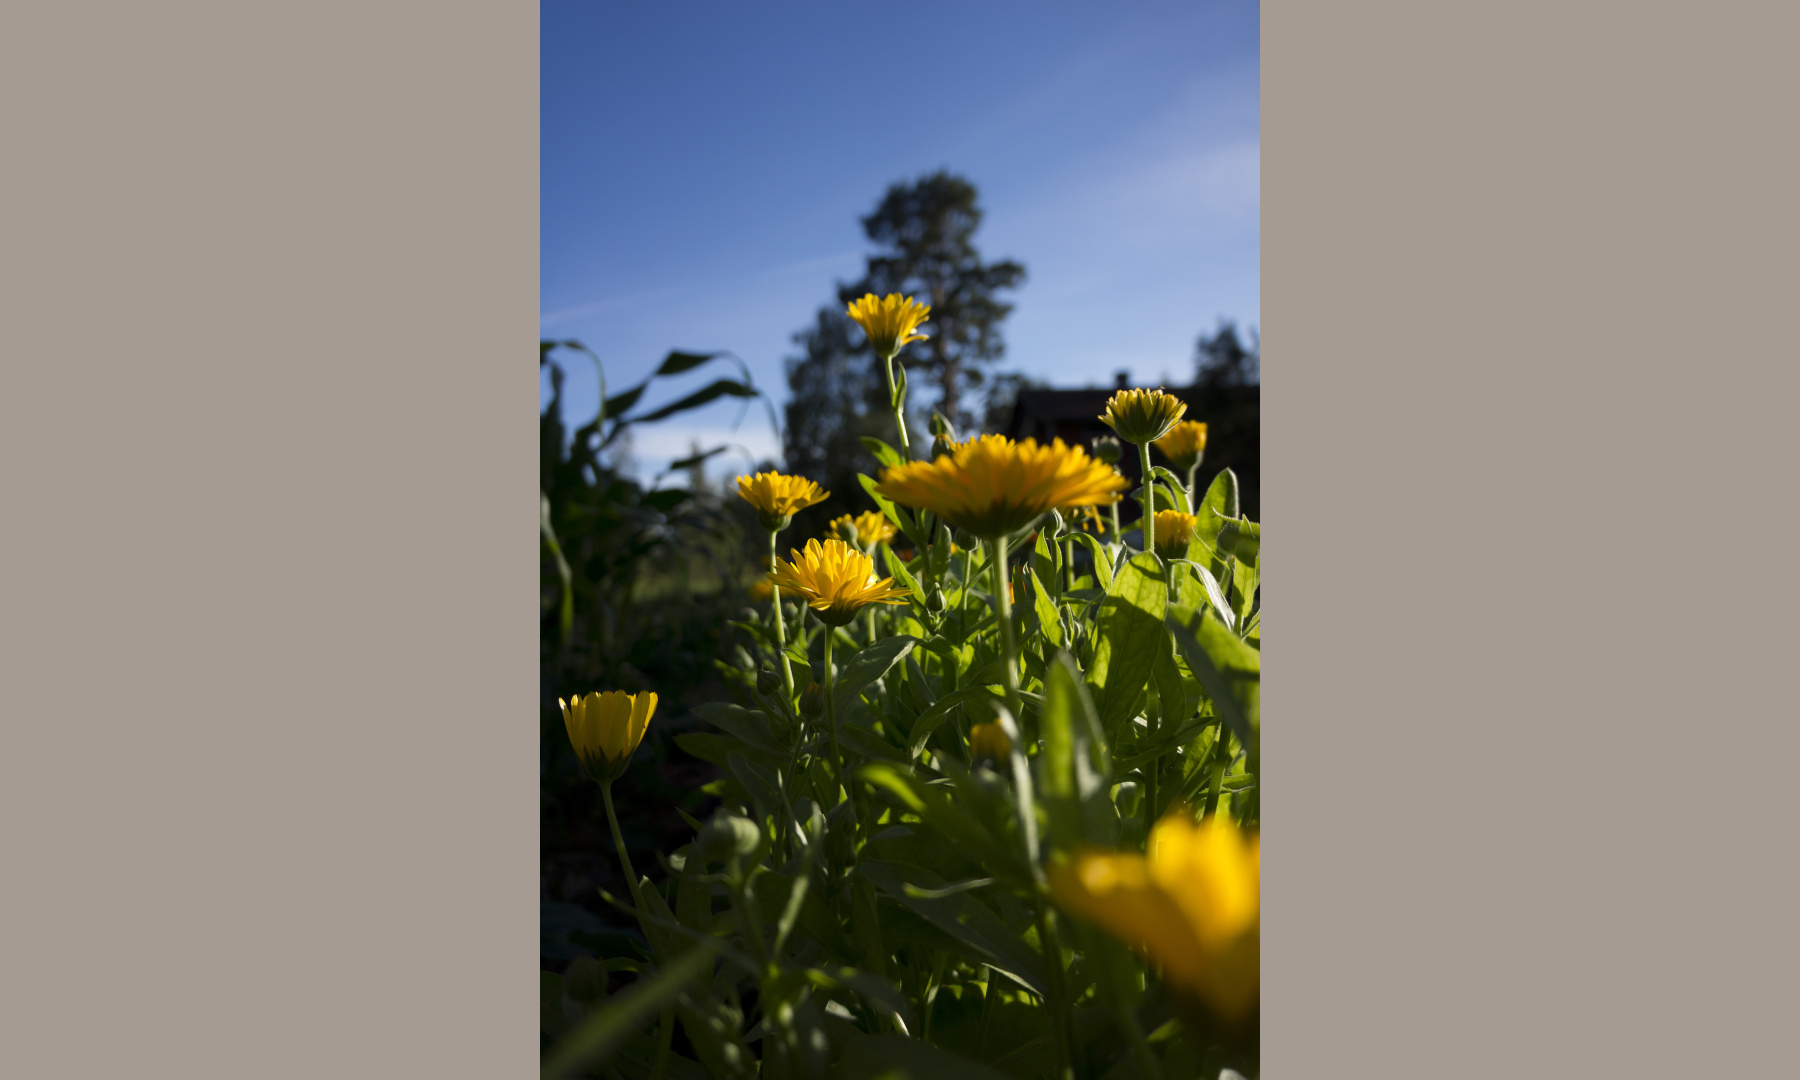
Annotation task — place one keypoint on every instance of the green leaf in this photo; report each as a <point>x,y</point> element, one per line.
<point>1103,568</point>
<point>866,666</point>
<point>929,720</point>
<point>902,519</point>
<point>621,1016</point>
<point>895,1057</point>
<point>896,568</point>
<point>1230,670</point>
<point>690,462</point>
<point>952,821</point>
<point>747,726</point>
<point>706,395</point>
<point>1073,770</point>
<point>1127,635</point>
<point>617,406</point>
<point>565,619</point>
<point>962,916</point>
<point>1049,619</point>
<point>884,453</point>
<point>677,362</point>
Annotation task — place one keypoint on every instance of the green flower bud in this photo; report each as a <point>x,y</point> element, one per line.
<point>774,522</point>
<point>1107,449</point>
<point>728,836</point>
<point>935,603</point>
<point>812,701</point>
<point>767,682</point>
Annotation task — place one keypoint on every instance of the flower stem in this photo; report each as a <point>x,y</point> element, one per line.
<point>899,405</point>
<point>837,758</point>
<point>631,878</point>
<point>1008,647</point>
<point>1193,492</point>
<point>1149,499</point>
<point>787,669</point>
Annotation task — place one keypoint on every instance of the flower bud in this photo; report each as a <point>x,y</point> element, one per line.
<point>812,701</point>
<point>942,446</point>
<point>727,836</point>
<point>840,833</point>
<point>767,682</point>
<point>1107,449</point>
<point>935,603</point>
<point>1056,524</point>
<point>774,522</point>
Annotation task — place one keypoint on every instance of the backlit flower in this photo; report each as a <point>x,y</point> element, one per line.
<point>993,486</point>
<point>777,496</point>
<point>1193,906</point>
<point>889,321</point>
<point>605,728</point>
<point>835,580</point>
<point>866,528</point>
<point>989,741</point>
<point>1173,531</point>
<point>1184,444</point>
<point>1142,416</point>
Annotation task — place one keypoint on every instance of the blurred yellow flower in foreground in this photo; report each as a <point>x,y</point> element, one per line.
<point>777,496</point>
<point>1193,906</point>
<point>836,580</point>
<point>890,322</point>
<point>989,740</point>
<point>761,590</point>
<point>1183,444</point>
<point>606,728</point>
<point>993,486</point>
<point>1143,416</point>
<point>868,527</point>
<point>1173,531</point>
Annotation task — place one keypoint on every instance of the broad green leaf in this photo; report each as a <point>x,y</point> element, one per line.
<point>1230,670</point>
<point>677,362</point>
<point>706,395</point>
<point>625,1014</point>
<point>961,915</point>
<point>884,453</point>
<point>1073,768</point>
<point>896,568</point>
<point>929,720</point>
<point>565,618</point>
<point>952,821</point>
<point>1103,568</point>
<point>899,515</point>
<point>1128,633</point>
<point>866,666</point>
<point>746,725</point>
<point>1049,619</point>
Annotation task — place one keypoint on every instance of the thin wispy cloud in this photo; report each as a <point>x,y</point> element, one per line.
<point>610,303</point>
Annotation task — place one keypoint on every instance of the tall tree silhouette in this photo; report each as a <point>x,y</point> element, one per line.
<point>925,232</point>
<point>1221,359</point>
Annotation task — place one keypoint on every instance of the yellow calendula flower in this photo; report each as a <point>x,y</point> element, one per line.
<point>866,528</point>
<point>989,741</point>
<point>605,728</point>
<point>1090,518</point>
<point>777,496</point>
<point>994,487</point>
<point>890,322</point>
<point>761,590</point>
<point>1143,416</point>
<point>1173,531</point>
<point>1184,444</point>
<point>1193,906</point>
<point>835,580</point>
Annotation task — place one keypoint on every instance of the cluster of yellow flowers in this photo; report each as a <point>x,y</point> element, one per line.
<point>1191,902</point>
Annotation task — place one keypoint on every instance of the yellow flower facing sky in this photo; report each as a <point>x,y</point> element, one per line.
<point>605,728</point>
<point>867,528</point>
<point>994,487</point>
<point>890,322</point>
<point>989,741</point>
<point>777,496</point>
<point>1184,444</point>
<point>835,580</point>
<point>1193,906</point>
<point>1143,416</point>
<point>1173,531</point>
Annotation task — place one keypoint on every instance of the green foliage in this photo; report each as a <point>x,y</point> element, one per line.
<point>902,924</point>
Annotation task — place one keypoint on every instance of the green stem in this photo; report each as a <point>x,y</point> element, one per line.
<point>787,669</point>
<point>631,878</point>
<point>1008,647</point>
<point>1193,492</point>
<point>1149,498</point>
<point>1061,1017</point>
<point>1135,1032</point>
<point>1221,760</point>
<point>837,758</point>
<point>899,405</point>
<point>664,1041</point>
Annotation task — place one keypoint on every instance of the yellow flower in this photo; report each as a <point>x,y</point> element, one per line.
<point>1142,416</point>
<point>836,580</point>
<point>993,486</point>
<point>1193,906</point>
<point>1091,519</point>
<point>1173,531</point>
<point>761,590</point>
<point>1184,444</point>
<point>889,322</point>
<point>776,496</point>
<point>605,728</point>
<point>989,740</point>
<point>868,527</point>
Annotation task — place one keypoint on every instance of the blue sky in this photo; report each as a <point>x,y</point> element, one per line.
<point>704,166</point>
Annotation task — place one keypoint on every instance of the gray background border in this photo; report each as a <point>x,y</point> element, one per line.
<point>266,423</point>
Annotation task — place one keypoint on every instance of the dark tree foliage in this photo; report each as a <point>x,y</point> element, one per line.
<point>1221,359</point>
<point>925,230</point>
